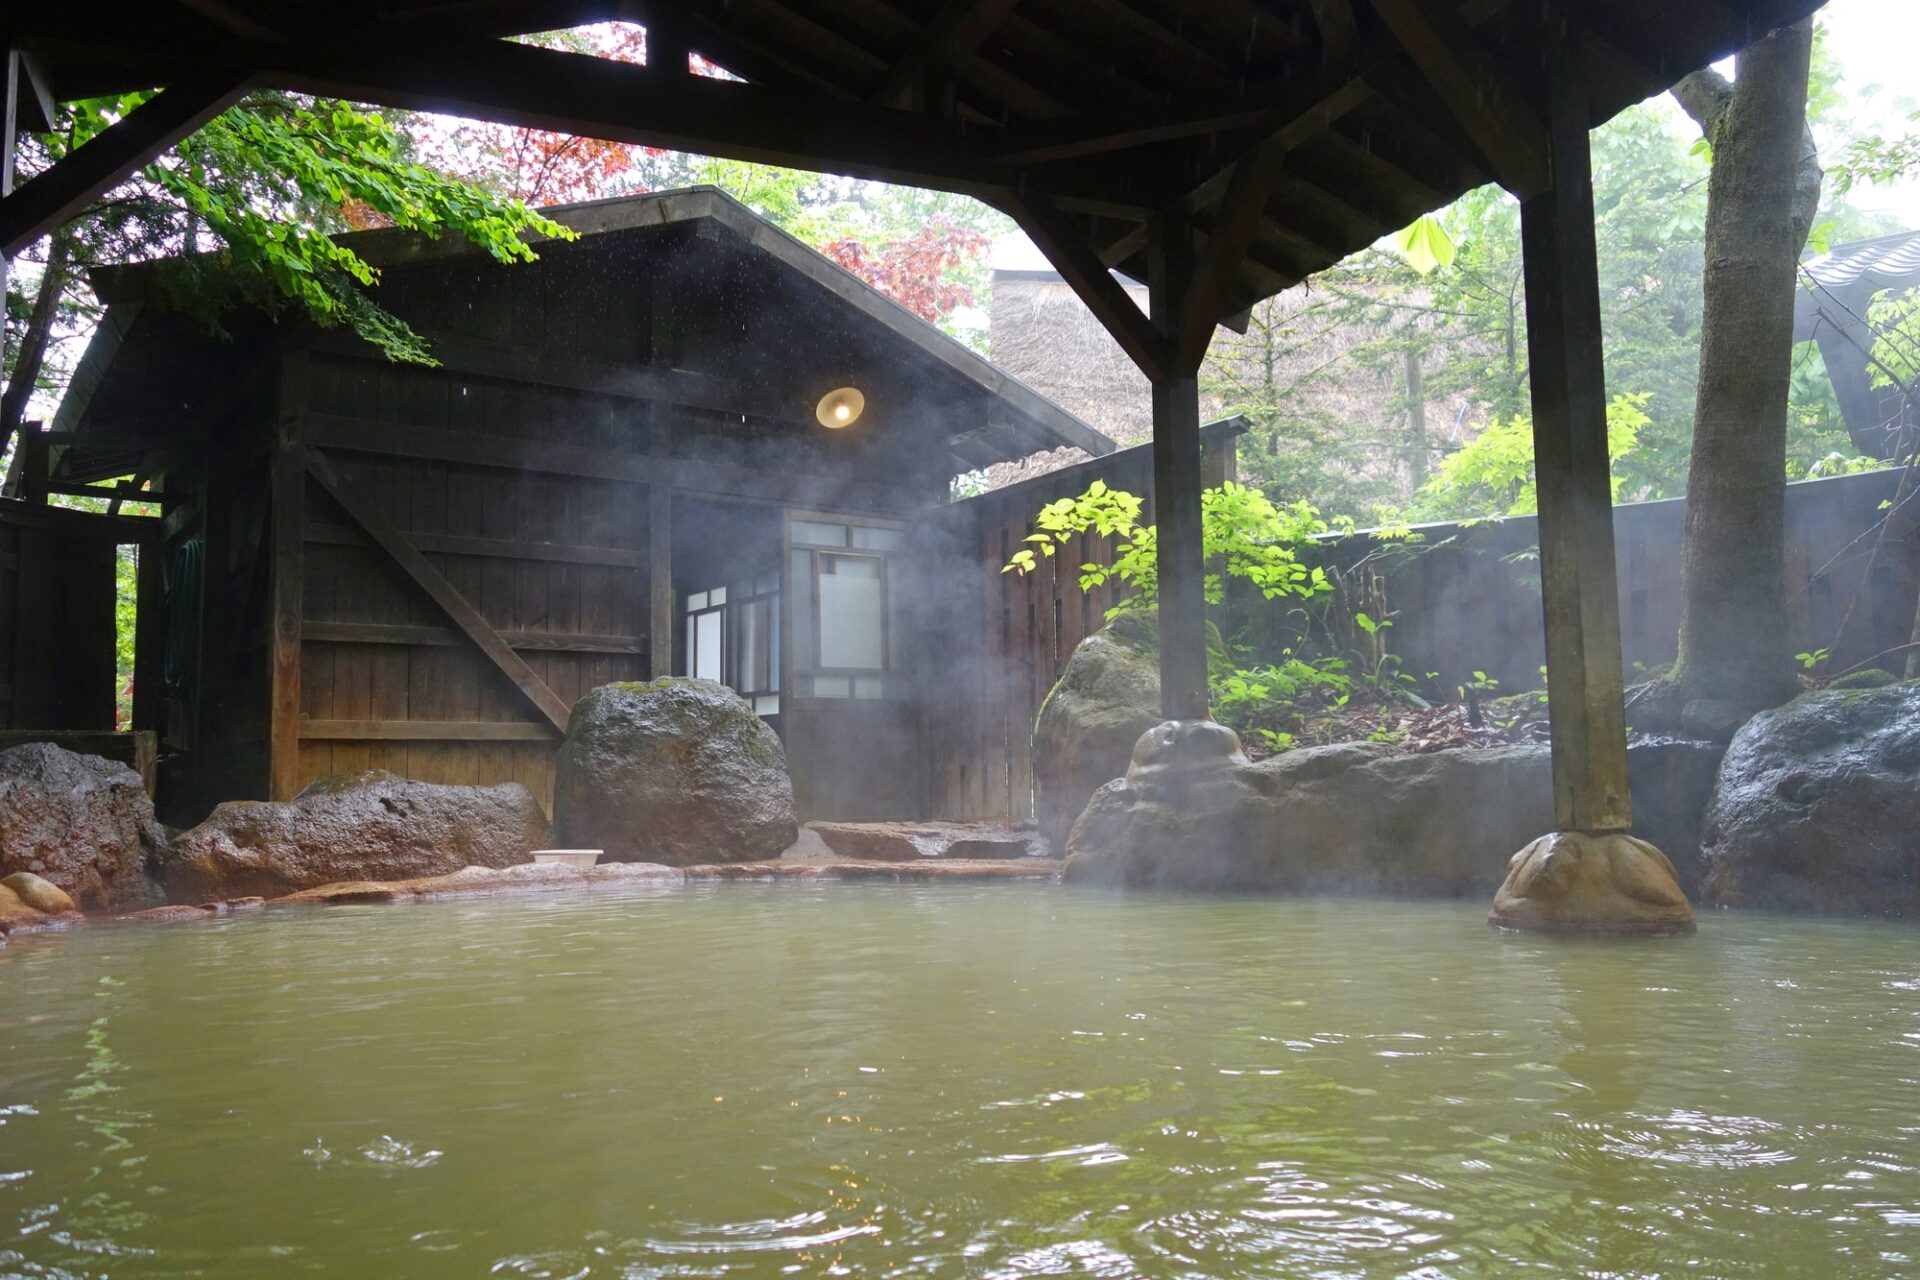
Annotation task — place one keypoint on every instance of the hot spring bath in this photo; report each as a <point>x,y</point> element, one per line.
<point>881,1080</point>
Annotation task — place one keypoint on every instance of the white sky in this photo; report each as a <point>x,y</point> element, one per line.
<point>1875,43</point>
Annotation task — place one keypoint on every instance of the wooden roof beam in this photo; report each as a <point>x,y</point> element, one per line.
<point>1295,104</point>
<point>954,31</point>
<point>1167,42</point>
<point>1077,264</point>
<point>1476,90</point>
<point>1214,276</point>
<point>1339,33</point>
<point>532,87</point>
<point>33,103</point>
<point>58,192</point>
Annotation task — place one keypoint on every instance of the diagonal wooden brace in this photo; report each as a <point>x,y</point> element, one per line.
<point>442,592</point>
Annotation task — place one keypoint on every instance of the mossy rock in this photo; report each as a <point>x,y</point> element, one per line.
<point>675,770</point>
<point>1108,695</point>
<point>370,825</point>
<point>1817,806</point>
<point>1871,678</point>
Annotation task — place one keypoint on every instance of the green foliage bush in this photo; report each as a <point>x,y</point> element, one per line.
<point>1250,539</point>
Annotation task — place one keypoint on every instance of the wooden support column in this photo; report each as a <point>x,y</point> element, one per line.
<point>660,579</point>
<point>287,589</point>
<point>12,69</point>
<point>1586,705</point>
<point>286,582</point>
<point>149,631</point>
<point>1176,479</point>
<point>660,595</point>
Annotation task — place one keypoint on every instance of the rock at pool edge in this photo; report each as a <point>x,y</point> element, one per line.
<point>1592,884</point>
<point>676,771</point>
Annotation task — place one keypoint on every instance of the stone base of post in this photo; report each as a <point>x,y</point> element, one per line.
<point>1591,884</point>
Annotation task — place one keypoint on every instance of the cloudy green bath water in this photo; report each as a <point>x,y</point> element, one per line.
<point>1004,1080</point>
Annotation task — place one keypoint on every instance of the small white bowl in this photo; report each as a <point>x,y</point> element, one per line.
<point>568,857</point>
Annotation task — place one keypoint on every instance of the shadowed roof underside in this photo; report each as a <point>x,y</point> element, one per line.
<point>1083,118</point>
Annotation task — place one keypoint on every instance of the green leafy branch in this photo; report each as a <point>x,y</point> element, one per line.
<point>1243,532</point>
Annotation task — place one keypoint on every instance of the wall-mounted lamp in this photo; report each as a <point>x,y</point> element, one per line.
<point>840,407</point>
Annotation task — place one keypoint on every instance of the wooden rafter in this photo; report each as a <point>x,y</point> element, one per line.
<point>50,198</point>
<point>35,98</point>
<point>1476,89</point>
<point>954,31</point>
<point>596,97</point>
<point>1214,276</point>
<point>443,593</point>
<point>1091,280</point>
<point>1338,32</point>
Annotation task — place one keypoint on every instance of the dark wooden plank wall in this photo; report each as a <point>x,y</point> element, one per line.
<point>1467,598</point>
<point>582,624</point>
<point>56,623</point>
<point>1006,637</point>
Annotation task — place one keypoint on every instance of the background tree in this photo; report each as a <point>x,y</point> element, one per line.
<point>1361,383</point>
<point>1762,198</point>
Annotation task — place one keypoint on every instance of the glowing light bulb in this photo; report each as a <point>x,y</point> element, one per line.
<point>840,407</point>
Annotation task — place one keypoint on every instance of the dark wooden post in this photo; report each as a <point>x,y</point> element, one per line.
<point>1176,481</point>
<point>149,631</point>
<point>660,597</point>
<point>1586,706</point>
<point>660,578</point>
<point>11,69</point>
<point>287,581</point>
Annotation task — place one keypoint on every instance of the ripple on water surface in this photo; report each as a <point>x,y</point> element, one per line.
<point>1000,1081</point>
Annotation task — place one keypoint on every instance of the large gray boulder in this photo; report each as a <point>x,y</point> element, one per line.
<point>674,771</point>
<point>1817,806</point>
<point>352,826</point>
<point>1108,695</point>
<point>1194,813</point>
<point>83,823</point>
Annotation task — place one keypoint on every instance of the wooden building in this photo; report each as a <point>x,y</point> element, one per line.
<point>626,465</point>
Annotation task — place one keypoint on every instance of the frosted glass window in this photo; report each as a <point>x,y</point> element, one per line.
<point>696,602</point>
<point>703,646</point>
<point>824,535</point>
<point>754,660</point>
<point>830,686</point>
<point>852,612</point>
<point>767,706</point>
<point>802,607</point>
<point>871,539</point>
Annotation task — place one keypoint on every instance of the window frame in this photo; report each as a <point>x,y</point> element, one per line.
<point>891,676</point>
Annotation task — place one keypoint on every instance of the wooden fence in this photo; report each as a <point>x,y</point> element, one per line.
<point>57,615</point>
<point>1466,598</point>
<point>1006,637</point>
<point>1462,598</point>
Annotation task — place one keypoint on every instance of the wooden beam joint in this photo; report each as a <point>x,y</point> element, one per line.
<point>1480,95</point>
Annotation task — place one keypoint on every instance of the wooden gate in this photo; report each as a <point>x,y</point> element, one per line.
<point>438,616</point>
<point>1006,637</point>
<point>57,593</point>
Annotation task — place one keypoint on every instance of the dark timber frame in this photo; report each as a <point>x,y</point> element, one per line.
<point>1222,149</point>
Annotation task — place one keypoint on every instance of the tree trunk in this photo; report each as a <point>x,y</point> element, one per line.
<point>1416,421</point>
<point>33,342</point>
<point>1765,186</point>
